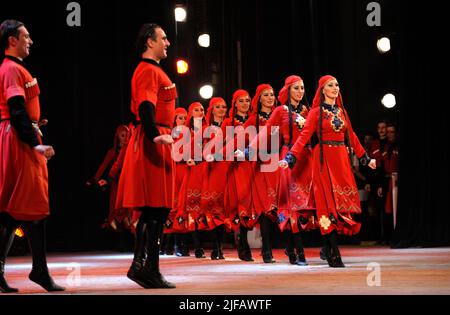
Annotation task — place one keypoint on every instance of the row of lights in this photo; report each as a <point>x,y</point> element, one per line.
<point>204,40</point>
<point>207,91</point>
<point>384,45</point>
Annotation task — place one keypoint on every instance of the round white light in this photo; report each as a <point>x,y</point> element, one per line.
<point>206,91</point>
<point>180,14</point>
<point>384,45</point>
<point>388,101</point>
<point>204,40</point>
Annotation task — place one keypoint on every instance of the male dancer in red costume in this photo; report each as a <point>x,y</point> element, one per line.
<point>23,157</point>
<point>147,177</point>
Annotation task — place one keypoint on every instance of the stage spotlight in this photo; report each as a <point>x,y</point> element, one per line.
<point>19,233</point>
<point>384,45</point>
<point>180,14</point>
<point>204,40</point>
<point>182,66</point>
<point>206,91</point>
<point>388,101</point>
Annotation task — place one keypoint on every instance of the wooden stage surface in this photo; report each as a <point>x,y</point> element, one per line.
<point>369,270</point>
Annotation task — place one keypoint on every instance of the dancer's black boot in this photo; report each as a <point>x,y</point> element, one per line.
<point>244,251</point>
<point>35,231</point>
<point>199,252</point>
<point>169,244</point>
<point>181,247</point>
<point>334,260</point>
<point>136,272</point>
<point>153,276</point>
<point>301,260</point>
<point>264,224</point>
<point>217,252</point>
<point>7,232</point>
<point>4,287</point>
<point>289,250</point>
<point>325,250</point>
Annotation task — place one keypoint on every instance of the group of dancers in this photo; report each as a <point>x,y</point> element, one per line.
<point>227,188</point>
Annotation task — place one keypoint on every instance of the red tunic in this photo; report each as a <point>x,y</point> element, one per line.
<point>23,171</point>
<point>295,196</point>
<point>376,149</point>
<point>147,177</point>
<point>335,190</point>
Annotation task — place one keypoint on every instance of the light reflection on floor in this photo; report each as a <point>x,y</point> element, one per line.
<point>411,271</point>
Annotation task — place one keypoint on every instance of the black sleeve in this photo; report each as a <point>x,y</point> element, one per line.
<point>21,122</point>
<point>147,115</point>
<point>290,159</point>
<point>365,159</point>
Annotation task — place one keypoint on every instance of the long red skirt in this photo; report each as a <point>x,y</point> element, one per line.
<point>265,192</point>
<point>296,208</point>
<point>190,216</point>
<point>335,191</point>
<point>244,178</point>
<point>172,225</point>
<point>213,192</point>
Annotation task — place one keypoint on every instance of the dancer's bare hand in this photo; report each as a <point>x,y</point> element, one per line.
<point>45,150</point>
<point>283,164</point>
<point>163,139</point>
<point>190,162</point>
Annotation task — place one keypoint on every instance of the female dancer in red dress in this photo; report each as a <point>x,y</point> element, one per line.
<point>213,189</point>
<point>236,194</point>
<point>263,185</point>
<point>170,235</point>
<point>190,217</point>
<point>335,192</point>
<point>296,204</point>
<point>115,216</point>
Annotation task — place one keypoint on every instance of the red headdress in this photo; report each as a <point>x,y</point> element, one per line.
<point>179,111</point>
<point>318,97</point>
<point>283,95</point>
<point>236,95</point>
<point>120,129</point>
<point>317,102</point>
<point>212,103</point>
<point>261,88</point>
<point>191,111</point>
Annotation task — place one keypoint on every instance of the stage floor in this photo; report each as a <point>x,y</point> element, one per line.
<point>369,270</point>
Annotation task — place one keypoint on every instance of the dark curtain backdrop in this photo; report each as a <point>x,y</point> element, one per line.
<point>84,74</point>
<point>424,216</point>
